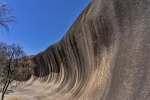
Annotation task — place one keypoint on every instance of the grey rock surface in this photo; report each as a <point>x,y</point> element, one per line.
<point>105,55</point>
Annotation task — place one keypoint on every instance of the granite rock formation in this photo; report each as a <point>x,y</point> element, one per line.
<point>105,55</point>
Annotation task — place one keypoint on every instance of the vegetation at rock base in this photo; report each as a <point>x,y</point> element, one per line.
<point>14,64</point>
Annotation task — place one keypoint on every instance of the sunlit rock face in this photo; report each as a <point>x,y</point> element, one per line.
<point>105,55</point>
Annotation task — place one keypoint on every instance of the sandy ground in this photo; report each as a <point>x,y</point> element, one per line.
<point>13,97</point>
<point>10,95</point>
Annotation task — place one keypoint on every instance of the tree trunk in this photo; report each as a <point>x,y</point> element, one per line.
<point>4,89</point>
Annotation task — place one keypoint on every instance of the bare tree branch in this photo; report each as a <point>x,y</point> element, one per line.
<point>6,16</point>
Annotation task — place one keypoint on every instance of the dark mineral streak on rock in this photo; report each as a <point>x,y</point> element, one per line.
<point>105,55</point>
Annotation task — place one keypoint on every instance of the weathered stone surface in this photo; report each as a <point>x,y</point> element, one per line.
<point>105,55</point>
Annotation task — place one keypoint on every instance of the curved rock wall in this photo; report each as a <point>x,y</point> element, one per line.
<point>105,55</point>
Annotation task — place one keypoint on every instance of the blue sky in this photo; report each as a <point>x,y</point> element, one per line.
<point>41,22</point>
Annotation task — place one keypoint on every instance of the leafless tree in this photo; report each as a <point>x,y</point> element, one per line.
<point>6,16</point>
